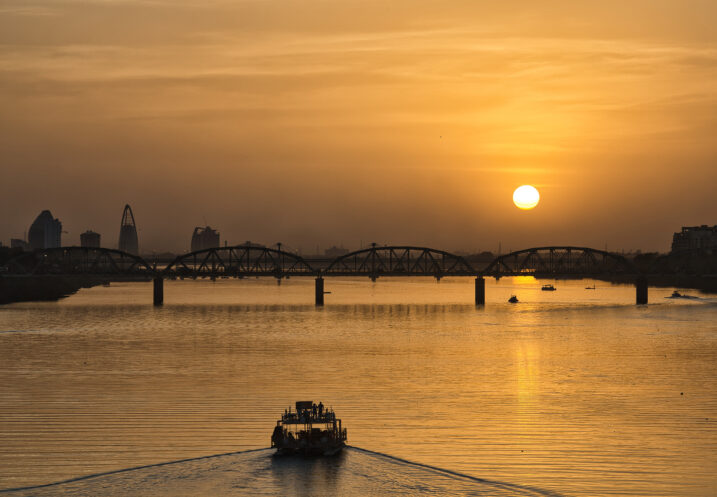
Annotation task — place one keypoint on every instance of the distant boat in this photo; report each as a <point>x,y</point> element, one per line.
<point>548,288</point>
<point>590,287</point>
<point>310,431</point>
<point>513,299</point>
<point>678,295</point>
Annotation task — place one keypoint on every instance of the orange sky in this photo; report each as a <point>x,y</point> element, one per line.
<point>322,122</point>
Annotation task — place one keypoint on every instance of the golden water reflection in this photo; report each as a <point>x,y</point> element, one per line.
<point>579,392</point>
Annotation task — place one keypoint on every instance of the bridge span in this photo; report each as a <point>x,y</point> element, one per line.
<point>243,261</point>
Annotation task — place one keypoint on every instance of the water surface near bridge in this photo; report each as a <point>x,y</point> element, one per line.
<point>575,392</point>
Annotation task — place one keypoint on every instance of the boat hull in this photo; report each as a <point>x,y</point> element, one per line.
<point>312,451</point>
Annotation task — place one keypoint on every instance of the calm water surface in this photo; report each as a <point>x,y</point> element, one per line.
<point>573,392</point>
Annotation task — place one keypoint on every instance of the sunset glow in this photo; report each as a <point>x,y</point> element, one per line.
<point>230,106</point>
<point>238,229</point>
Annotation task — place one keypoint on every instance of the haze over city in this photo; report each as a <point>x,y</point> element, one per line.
<point>328,123</point>
<point>321,248</point>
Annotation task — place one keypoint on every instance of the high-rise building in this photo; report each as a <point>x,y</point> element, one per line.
<point>204,238</point>
<point>45,232</point>
<point>695,238</point>
<point>90,239</point>
<point>128,232</point>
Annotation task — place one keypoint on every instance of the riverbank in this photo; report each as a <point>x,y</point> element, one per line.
<point>42,288</point>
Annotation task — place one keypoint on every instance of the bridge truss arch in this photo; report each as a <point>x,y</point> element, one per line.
<point>400,260</point>
<point>559,261</point>
<point>238,262</point>
<point>79,261</point>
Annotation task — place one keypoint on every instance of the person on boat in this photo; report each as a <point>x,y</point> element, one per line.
<point>278,435</point>
<point>321,408</point>
<point>313,410</point>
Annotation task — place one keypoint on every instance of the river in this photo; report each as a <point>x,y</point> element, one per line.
<point>573,392</point>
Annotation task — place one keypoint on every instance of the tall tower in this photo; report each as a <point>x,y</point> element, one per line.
<point>128,232</point>
<point>45,232</point>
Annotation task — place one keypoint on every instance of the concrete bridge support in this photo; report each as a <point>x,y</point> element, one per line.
<point>480,290</point>
<point>319,291</point>
<point>641,290</point>
<point>158,290</point>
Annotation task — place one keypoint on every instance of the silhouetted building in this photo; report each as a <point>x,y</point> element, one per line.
<point>695,238</point>
<point>18,243</point>
<point>204,238</point>
<point>128,233</point>
<point>90,239</point>
<point>335,251</point>
<point>45,232</point>
<point>252,244</point>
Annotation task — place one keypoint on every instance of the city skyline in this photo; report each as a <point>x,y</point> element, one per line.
<point>317,248</point>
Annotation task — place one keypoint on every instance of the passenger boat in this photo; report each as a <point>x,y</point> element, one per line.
<point>311,430</point>
<point>548,288</point>
<point>513,299</point>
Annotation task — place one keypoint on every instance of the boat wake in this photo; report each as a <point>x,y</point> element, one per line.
<point>356,472</point>
<point>514,489</point>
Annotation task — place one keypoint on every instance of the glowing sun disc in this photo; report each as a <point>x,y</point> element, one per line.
<point>526,197</point>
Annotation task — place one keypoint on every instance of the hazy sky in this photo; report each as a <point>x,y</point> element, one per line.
<point>322,122</point>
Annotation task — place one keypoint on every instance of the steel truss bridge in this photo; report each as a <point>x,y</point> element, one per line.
<point>399,261</point>
<point>563,261</point>
<point>244,261</point>
<point>238,262</point>
<point>80,261</point>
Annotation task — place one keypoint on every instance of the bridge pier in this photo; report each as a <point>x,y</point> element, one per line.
<point>641,290</point>
<point>158,290</point>
<point>319,291</point>
<point>480,290</point>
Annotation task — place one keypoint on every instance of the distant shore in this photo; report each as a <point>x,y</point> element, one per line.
<point>42,288</point>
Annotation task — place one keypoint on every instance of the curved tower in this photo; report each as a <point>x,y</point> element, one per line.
<point>128,232</point>
<point>45,232</point>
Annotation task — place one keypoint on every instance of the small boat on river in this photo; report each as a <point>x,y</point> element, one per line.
<point>513,299</point>
<point>311,430</point>
<point>678,295</point>
<point>548,288</point>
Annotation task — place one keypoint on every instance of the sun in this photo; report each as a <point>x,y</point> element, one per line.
<point>526,197</point>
